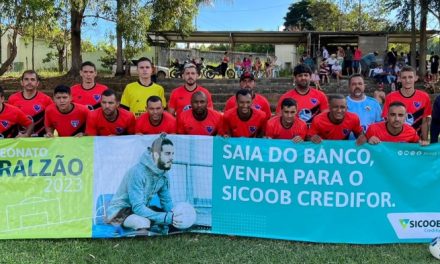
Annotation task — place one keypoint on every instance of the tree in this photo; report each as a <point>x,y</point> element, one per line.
<point>77,9</point>
<point>16,16</point>
<point>298,17</point>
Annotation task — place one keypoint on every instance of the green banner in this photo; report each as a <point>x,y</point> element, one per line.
<point>46,187</point>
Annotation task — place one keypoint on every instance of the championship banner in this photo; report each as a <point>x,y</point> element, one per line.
<point>331,192</point>
<point>108,187</point>
<point>46,187</point>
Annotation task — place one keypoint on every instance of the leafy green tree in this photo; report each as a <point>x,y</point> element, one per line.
<point>16,16</point>
<point>298,17</point>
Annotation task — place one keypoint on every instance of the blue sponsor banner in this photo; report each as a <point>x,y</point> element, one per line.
<point>330,192</point>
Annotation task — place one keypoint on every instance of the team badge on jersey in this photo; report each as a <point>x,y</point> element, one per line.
<point>37,108</point>
<point>305,115</point>
<point>97,97</point>
<point>410,119</point>
<point>119,130</point>
<point>5,123</point>
<point>417,104</point>
<point>209,129</point>
<point>252,129</point>
<point>258,107</point>
<point>187,107</point>
<point>74,123</point>
<point>313,100</point>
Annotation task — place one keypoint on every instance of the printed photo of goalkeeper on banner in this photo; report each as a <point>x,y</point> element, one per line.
<point>152,185</point>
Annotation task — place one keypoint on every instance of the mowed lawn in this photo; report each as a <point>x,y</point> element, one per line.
<point>203,248</point>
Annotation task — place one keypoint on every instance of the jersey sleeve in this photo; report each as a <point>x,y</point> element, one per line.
<point>269,130</point>
<point>323,104</point>
<point>314,128</point>
<point>90,125</point>
<point>138,125</point>
<point>179,124</point>
<point>22,119</point>
<point>357,128</point>
<point>125,100</point>
<point>172,102</point>
<point>230,103</point>
<point>131,124</point>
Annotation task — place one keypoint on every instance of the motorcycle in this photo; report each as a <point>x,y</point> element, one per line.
<point>176,70</point>
<point>212,71</point>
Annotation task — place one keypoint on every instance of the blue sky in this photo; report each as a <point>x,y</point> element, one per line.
<point>226,15</point>
<point>245,15</point>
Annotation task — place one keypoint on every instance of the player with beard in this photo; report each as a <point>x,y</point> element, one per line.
<point>243,121</point>
<point>337,124</point>
<point>10,118</point>
<point>200,120</point>
<point>310,101</point>
<point>67,118</point>
<point>88,92</point>
<point>417,103</point>
<point>109,119</point>
<point>367,108</point>
<point>394,128</point>
<point>259,102</point>
<point>31,101</point>
<point>131,205</point>
<point>156,120</point>
<point>287,125</point>
<point>180,98</point>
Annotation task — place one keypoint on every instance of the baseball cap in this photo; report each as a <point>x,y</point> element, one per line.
<point>247,75</point>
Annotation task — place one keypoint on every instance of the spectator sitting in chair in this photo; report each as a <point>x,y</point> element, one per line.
<point>337,71</point>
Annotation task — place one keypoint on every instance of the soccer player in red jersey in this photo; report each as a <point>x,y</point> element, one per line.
<point>201,120</point>
<point>418,103</point>
<point>180,98</point>
<point>31,101</point>
<point>109,119</point>
<point>247,81</point>
<point>337,124</point>
<point>88,92</point>
<point>67,118</point>
<point>243,121</point>
<point>394,128</point>
<point>155,120</point>
<point>10,118</point>
<point>310,101</point>
<point>287,125</point>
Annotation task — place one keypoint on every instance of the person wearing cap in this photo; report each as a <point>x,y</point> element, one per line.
<point>180,98</point>
<point>135,94</point>
<point>259,102</point>
<point>310,100</point>
<point>131,204</point>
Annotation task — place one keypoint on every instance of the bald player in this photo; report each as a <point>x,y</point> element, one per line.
<point>200,120</point>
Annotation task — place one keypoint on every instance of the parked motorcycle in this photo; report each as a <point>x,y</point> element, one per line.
<point>212,71</point>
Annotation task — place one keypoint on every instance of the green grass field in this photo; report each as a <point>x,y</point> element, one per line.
<point>201,248</point>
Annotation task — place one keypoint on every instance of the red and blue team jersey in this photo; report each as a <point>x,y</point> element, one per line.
<point>34,108</point>
<point>276,130</point>
<point>166,125</point>
<point>88,97</point>
<point>379,130</point>
<point>259,102</point>
<point>418,106</point>
<point>326,129</point>
<point>309,105</point>
<point>98,125</point>
<point>11,118</point>
<point>180,98</point>
<point>235,127</point>
<point>187,124</point>
<point>67,124</point>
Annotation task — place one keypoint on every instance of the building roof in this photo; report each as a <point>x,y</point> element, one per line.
<point>274,37</point>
